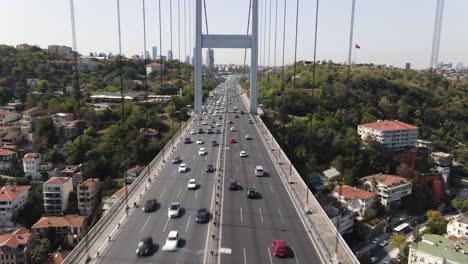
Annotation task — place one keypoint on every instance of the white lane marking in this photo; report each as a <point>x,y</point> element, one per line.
<point>160,196</point>
<point>245,257</point>
<point>188,223</point>
<point>242,218</point>
<point>269,254</point>
<point>271,189</point>
<point>165,225</point>
<point>237,168</point>
<point>261,216</point>
<point>295,256</point>
<point>281,216</point>
<point>254,186</point>
<point>194,157</point>
<point>179,192</point>
<point>196,192</point>
<point>147,219</point>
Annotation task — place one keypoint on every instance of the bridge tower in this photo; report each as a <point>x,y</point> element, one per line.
<point>229,42</point>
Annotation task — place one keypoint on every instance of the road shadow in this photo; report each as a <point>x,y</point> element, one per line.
<point>155,249</point>
<point>182,243</point>
<point>181,213</point>
<point>290,253</point>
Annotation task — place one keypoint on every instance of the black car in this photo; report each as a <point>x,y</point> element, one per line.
<point>251,193</point>
<point>210,168</point>
<point>233,185</point>
<point>145,247</point>
<point>214,143</point>
<point>150,205</point>
<point>176,160</point>
<point>200,131</point>
<point>209,131</point>
<point>236,116</point>
<point>202,216</point>
<point>242,112</point>
<point>217,131</point>
<point>187,141</point>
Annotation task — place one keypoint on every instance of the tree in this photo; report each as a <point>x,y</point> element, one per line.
<point>405,171</point>
<point>460,204</point>
<point>72,207</point>
<point>436,222</point>
<point>369,214</point>
<point>40,251</point>
<point>53,156</point>
<point>398,241</point>
<point>44,135</point>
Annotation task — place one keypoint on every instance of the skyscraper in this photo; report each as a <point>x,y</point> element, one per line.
<point>155,53</point>
<point>169,55</point>
<point>209,58</point>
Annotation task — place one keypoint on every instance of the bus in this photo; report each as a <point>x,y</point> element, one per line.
<point>400,229</point>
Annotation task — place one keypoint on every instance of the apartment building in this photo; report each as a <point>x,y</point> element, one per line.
<point>435,249</point>
<point>56,191</point>
<point>15,247</point>
<point>389,188</point>
<point>340,216</point>
<point>394,135</point>
<point>28,121</point>
<point>60,50</point>
<point>356,199</point>
<point>73,171</point>
<point>31,162</point>
<point>6,159</point>
<point>12,199</point>
<point>108,202</point>
<point>458,227</point>
<point>69,226</point>
<point>87,196</point>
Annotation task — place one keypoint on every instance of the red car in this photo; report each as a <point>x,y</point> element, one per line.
<point>232,140</point>
<point>279,249</point>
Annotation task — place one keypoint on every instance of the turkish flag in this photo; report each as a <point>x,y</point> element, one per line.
<point>357,46</point>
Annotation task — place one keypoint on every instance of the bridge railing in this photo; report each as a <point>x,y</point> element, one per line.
<point>330,243</point>
<point>104,228</point>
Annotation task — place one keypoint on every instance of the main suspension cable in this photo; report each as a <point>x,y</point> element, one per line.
<point>284,45</point>
<point>276,31</point>
<point>295,44</point>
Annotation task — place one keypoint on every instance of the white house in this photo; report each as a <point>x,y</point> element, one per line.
<point>435,249</point>
<point>389,188</point>
<point>458,227</point>
<point>31,162</point>
<point>394,135</point>
<point>358,200</point>
<point>12,198</point>
<point>56,191</point>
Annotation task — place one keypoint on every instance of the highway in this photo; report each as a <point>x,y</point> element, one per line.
<point>249,225</point>
<point>169,187</point>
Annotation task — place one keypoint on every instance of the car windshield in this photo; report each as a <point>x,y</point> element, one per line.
<point>174,207</point>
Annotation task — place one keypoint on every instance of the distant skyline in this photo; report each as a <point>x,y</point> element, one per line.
<point>389,32</point>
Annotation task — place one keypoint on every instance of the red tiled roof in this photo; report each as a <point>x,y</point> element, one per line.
<point>6,152</point>
<point>57,257</point>
<point>31,156</point>
<point>389,125</point>
<point>30,110</point>
<point>89,182</point>
<point>136,169</point>
<point>10,135</point>
<point>9,193</point>
<point>350,192</point>
<point>19,236</point>
<point>119,193</point>
<point>60,221</point>
<point>384,179</point>
<point>57,180</point>
<point>153,65</point>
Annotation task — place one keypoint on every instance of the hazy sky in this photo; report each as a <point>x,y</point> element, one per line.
<point>388,31</point>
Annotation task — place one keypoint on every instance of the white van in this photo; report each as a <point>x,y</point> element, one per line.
<point>258,171</point>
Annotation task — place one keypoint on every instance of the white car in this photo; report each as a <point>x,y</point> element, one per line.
<point>171,241</point>
<point>248,137</point>
<point>218,124</point>
<point>192,184</point>
<point>183,167</point>
<point>173,210</point>
<point>202,152</point>
<point>232,129</point>
<point>243,154</point>
<point>204,123</point>
<point>383,243</point>
<point>192,132</point>
<point>199,142</point>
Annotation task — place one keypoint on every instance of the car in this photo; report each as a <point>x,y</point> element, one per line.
<point>200,131</point>
<point>145,246</point>
<point>209,168</point>
<point>214,143</point>
<point>251,193</point>
<point>183,167</point>
<point>251,121</point>
<point>384,262</point>
<point>202,216</point>
<point>220,117</point>
<point>259,171</point>
<point>192,184</point>
<point>243,154</point>
<point>236,116</point>
<point>218,131</point>
<point>230,122</point>
<point>218,124</point>
<point>373,259</point>
<point>383,243</point>
<point>176,160</point>
<point>173,210</point>
<point>187,141</point>
<point>201,152</point>
<point>248,137</point>
<point>279,249</point>
<point>209,131</point>
<point>199,142</point>
<point>150,205</point>
<point>200,118</point>
<point>233,185</point>
<point>171,241</point>
<point>232,140</point>
<point>192,132</point>
<point>232,129</point>
<point>204,123</point>
<point>375,241</point>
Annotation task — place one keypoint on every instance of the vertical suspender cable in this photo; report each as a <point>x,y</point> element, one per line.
<point>276,32</point>
<point>264,34</point>
<point>315,48</point>
<point>269,43</point>
<point>295,44</point>
<point>160,46</point>
<point>350,44</point>
<point>190,32</point>
<point>76,77</point>
<point>178,30</point>
<point>206,17</point>
<point>284,42</point>
<point>172,53</point>
<point>248,26</point>
<point>260,39</point>
<point>185,41</point>
<point>144,66</point>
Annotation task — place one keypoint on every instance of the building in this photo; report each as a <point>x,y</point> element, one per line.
<point>458,227</point>
<point>31,162</point>
<point>57,257</point>
<point>15,248</point>
<point>389,188</point>
<point>435,249</point>
<point>60,50</point>
<point>153,67</point>
<point>340,216</point>
<point>10,137</point>
<point>87,196</point>
<point>69,226</point>
<point>28,122</point>
<point>55,192</point>
<point>108,202</point>
<point>12,199</point>
<point>155,53</point>
<point>88,64</point>
<point>394,135</point>
<point>356,199</point>
<point>9,118</point>
<point>32,82</point>
<point>23,46</point>
<point>73,172</point>
<point>7,157</point>
<point>169,55</point>
<point>209,58</point>
<point>135,171</point>
<point>443,163</point>
<point>408,66</point>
